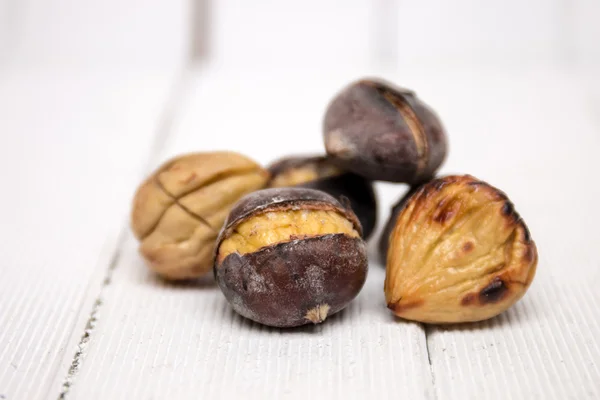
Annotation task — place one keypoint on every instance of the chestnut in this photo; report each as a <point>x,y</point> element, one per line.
<point>383,132</point>
<point>458,252</point>
<point>317,172</point>
<point>179,209</point>
<point>290,256</point>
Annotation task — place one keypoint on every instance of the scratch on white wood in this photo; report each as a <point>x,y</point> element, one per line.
<point>88,330</point>
<point>65,136</point>
<point>163,130</point>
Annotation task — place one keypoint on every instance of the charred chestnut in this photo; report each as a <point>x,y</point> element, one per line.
<point>290,256</point>
<point>458,252</point>
<point>384,133</point>
<point>317,172</point>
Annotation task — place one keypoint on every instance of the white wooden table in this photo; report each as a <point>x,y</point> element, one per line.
<point>82,318</point>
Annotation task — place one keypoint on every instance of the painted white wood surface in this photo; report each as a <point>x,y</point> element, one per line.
<point>474,31</point>
<point>72,144</point>
<point>433,31</point>
<point>130,33</point>
<point>585,32</point>
<point>530,132</point>
<point>153,32</point>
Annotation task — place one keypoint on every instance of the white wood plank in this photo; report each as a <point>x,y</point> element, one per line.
<point>136,33</point>
<point>532,135</point>
<point>467,31</point>
<point>268,32</point>
<point>158,340</point>
<point>584,32</point>
<point>71,145</point>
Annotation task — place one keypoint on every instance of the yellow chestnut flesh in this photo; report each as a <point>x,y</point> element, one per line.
<point>283,226</point>
<point>303,174</point>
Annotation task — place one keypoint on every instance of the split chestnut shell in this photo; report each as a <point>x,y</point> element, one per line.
<point>290,256</point>
<point>318,172</point>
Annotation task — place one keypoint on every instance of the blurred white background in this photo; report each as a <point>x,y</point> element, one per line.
<point>276,34</point>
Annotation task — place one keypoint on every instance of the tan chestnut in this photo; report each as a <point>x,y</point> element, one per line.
<point>290,256</point>
<point>179,209</point>
<point>458,252</point>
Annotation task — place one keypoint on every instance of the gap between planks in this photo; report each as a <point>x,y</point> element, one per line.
<point>171,108</point>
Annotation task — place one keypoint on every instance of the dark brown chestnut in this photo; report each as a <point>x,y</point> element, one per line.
<point>290,256</point>
<point>317,172</point>
<point>383,132</point>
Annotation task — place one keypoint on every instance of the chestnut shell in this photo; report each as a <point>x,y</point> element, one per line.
<point>357,189</point>
<point>383,132</point>
<point>279,285</point>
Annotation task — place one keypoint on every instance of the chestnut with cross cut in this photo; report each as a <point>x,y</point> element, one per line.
<point>290,256</point>
<point>383,132</point>
<point>458,252</point>
<point>178,211</point>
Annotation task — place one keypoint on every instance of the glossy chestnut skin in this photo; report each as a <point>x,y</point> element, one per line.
<point>334,181</point>
<point>297,281</point>
<point>458,252</point>
<point>383,132</point>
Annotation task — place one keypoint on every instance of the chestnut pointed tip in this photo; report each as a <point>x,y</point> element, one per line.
<point>399,309</point>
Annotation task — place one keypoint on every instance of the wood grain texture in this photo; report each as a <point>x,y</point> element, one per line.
<point>65,136</point>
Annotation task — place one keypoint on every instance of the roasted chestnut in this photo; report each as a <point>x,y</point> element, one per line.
<point>383,132</point>
<point>290,256</point>
<point>317,172</point>
<point>178,211</point>
<point>458,252</point>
